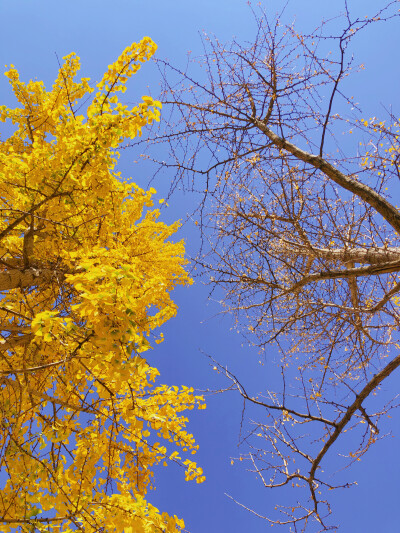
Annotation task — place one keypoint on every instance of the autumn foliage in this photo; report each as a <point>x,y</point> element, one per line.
<point>86,271</point>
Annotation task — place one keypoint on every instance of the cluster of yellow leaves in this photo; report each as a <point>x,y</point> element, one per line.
<point>86,271</point>
<point>384,152</point>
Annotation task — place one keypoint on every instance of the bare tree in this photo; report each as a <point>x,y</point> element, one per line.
<point>301,234</point>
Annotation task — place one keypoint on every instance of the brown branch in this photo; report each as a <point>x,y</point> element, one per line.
<point>11,342</point>
<point>385,268</point>
<point>371,197</point>
<point>14,279</point>
<point>32,521</point>
<point>20,219</point>
<point>356,405</point>
<point>33,368</point>
<point>281,408</point>
<point>356,255</point>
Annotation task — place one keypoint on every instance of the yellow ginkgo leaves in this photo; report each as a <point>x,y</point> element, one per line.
<point>86,272</point>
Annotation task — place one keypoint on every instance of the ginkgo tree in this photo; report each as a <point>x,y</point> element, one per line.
<point>300,226</point>
<point>86,271</point>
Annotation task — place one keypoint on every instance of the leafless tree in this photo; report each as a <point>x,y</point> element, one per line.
<point>300,233</point>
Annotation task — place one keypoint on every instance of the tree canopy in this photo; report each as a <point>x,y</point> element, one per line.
<point>301,234</point>
<point>86,271</point>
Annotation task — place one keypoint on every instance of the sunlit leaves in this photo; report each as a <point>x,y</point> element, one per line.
<point>87,270</point>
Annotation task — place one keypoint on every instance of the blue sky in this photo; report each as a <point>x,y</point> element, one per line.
<point>33,33</point>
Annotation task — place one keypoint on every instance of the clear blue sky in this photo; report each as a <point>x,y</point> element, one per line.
<point>32,33</point>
